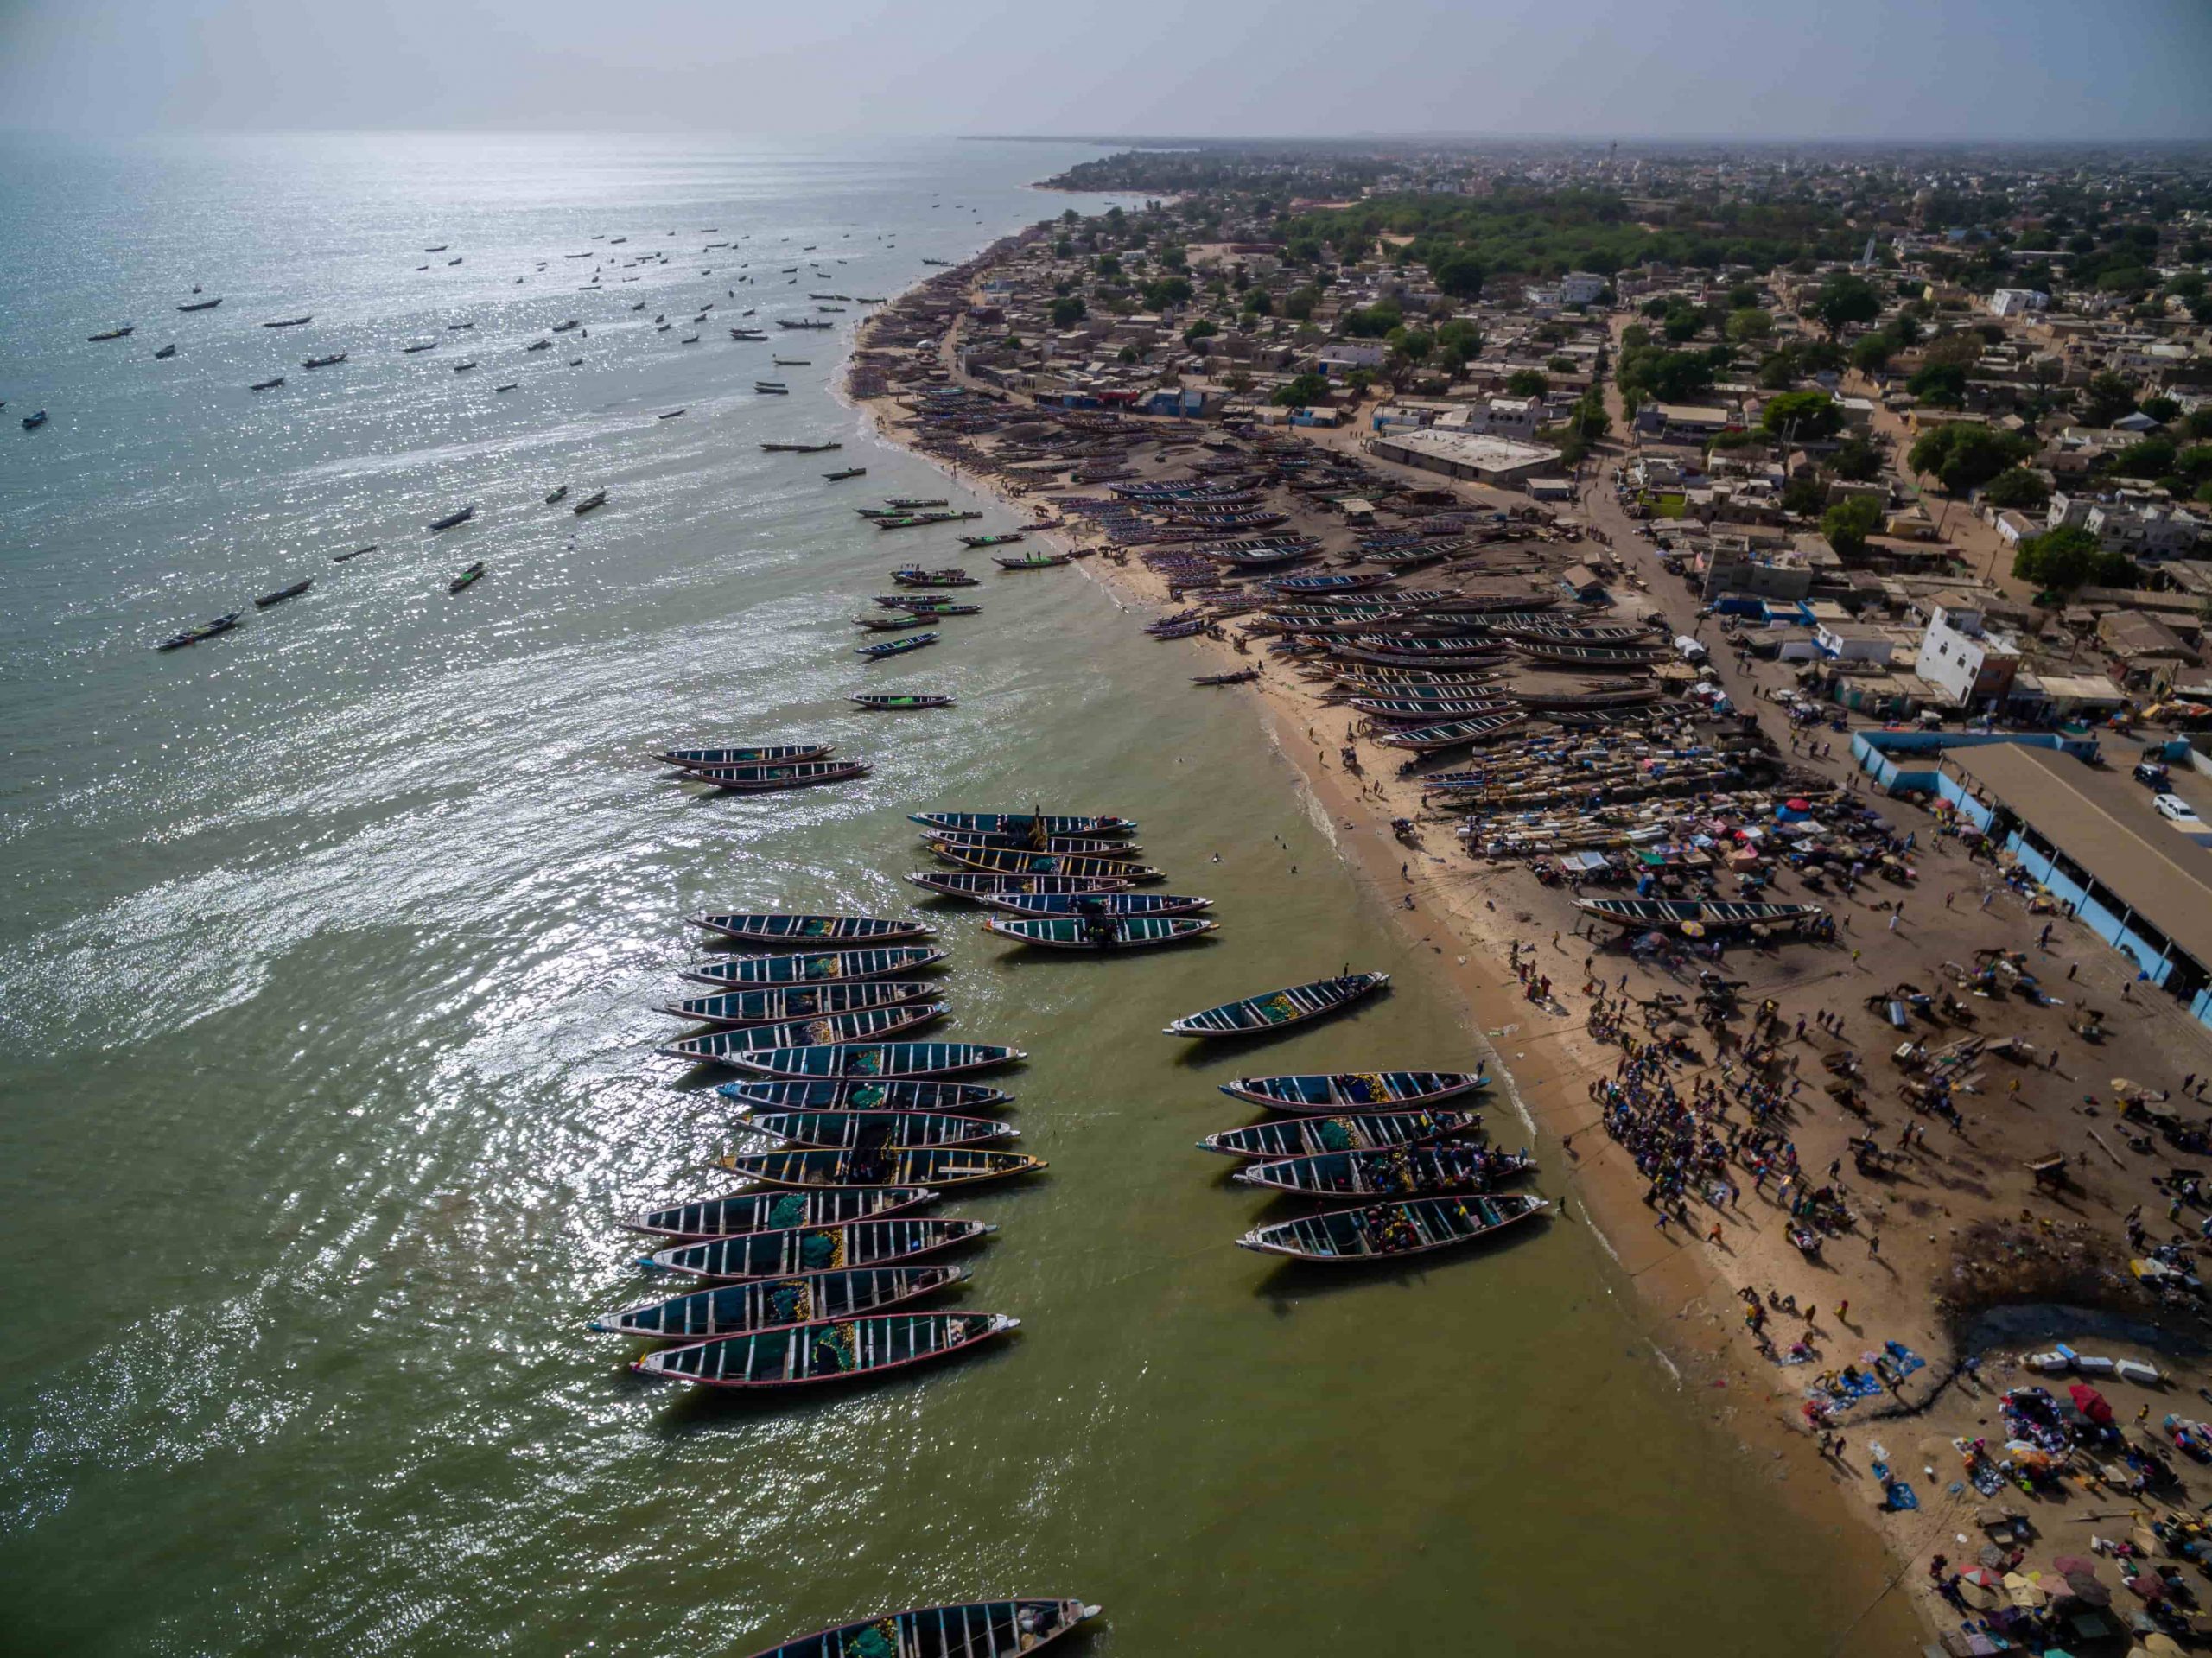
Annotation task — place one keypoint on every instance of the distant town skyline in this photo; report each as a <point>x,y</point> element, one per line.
<point>1680,70</point>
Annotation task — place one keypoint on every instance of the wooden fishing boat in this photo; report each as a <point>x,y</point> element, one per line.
<point>1417,710</point>
<point>877,1166</point>
<point>1566,701</point>
<point>1356,1091</point>
<point>1274,1010</point>
<point>849,472</point>
<point>590,503</point>
<point>1004,860</point>
<point>1045,905</point>
<point>739,1309</point>
<point>202,304</point>
<point>1103,932</point>
<point>1357,1130</point>
<point>1456,733</point>
<point>861,1061</point>
<point>1345,582</point>
<point>826,967</point>
<point>1385,1231</point>
<point>951,1097</point>
<point>990,1628</point>
<point>1032,561</point>
<point>867,1025</point>
<point>815,1248</point>
<point>330,361</point>
<point>467,578</point>
<point>1242,677</point>
<point>974,883</point>
<point>738,1213</point>
<point>852,1131</point>
<point>1082,845</point>
<point>1712,914</point>
<point>1555,632</point>
<point>897,622</point>
<point>1590,656</point>
<point>758,928</point>
<point>166,352</point>
<point>915,502</point>
<point>833,1350</point>
<point>1006,539</point>
<point>800,449</point>
<point>283,593</point>
<point>1416,651</point>
<point>111,333</point>
<point>896,647</point>
<point>948,578</point>
<point>926,605</point>
<point>220,625</point>
<point>1023,823</point>
<point>767,754</point>
<point>894,703</point>
<point>1428,1171</point>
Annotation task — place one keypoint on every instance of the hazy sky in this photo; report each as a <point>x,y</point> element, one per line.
<point>1788,68</point>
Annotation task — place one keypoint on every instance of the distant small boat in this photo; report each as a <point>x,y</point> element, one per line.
<point>991,541</point>
<point>755,754</point>
<point>772,388</point>
<point>1273,1010</point>
<point>1032,561</point>
<point>340,558</point>
<point>33,421</point>
<point>410,351</point>
<point>739,1309</point>
<point>439,248</point>
<point>266,385</point>
<point>289,322</point>
<point>895,702</point>
<point>283,593</point>
<point>590,503</point>
<point>222,623</point>
<point>463,368</point>
<point>770,929</point>
<point>762,780</point>
<point>334,358</point>
<point>453,327</point>
<point>793,362</point>
<point>990,1628</point>
<point>1388,1230</point>
<point>111,333</point>
<point>822,966</point>
<point>165,353</point>
<point>558,495</point>
<point>509,386</point>
<point>906,502</point>
<point>671,415</point>
<point>474,573</point>
<point>202,304</point>
<point>817,1248</point>
<point>849,472</point>
<point>452,519</point>
<point>896,647</point>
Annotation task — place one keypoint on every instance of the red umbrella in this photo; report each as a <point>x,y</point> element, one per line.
<point>1798,805</point>
<point>1982,1577</point>
<point>2090,1403</point>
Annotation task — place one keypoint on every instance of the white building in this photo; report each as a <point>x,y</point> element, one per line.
<point>2017,302</point>
<point>1580,287</point>
<point>1973,667</point>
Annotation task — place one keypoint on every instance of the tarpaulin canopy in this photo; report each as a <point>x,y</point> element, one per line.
<point>2091,1403</point>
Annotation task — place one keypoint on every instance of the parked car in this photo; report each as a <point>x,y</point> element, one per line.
<point>2175,808</point>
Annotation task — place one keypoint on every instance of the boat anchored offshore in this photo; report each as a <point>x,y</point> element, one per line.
<point>990,1628</point>
<point>780,1003</point>
<point>738,1213</point>
<point>834,1350</point>
<point>815,1248</point>
<point>773,929</point>
<point>1273,1010</point>
<point>824,967</point>
<point>739,1309</point>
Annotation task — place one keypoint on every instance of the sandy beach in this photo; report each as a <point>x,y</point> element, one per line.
<point>1951,1224</point>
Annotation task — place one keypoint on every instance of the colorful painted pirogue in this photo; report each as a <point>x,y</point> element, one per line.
<point>815,1248</point>
<point>864,1096</point>
<point>977,884</point>
<point>1408,1171</point>
<point>834,1349</point>
<point>987,1629</point>
<point>880,1166</point>
<point>736,1309</point>
<point>754,929</point>
<point>1024,823</point>
<point>1355,1090</point>
<point>858,1130</point>
<point>885,1060</point>
<point>1009,862</point>
<point>1045,905</point>
<point>1363,1131</point>
<point>1385,1231</point>
<point>1100,932</point>
<point>774,754</point>
<point>764,779</point>
<point>870,1024</point>
<point>783,1002</point>
<point>739,1212</point>
<point>827,968</point>
<point>1272,1010</point>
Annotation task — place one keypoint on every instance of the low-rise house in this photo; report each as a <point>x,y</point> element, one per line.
<point>1974,666</point>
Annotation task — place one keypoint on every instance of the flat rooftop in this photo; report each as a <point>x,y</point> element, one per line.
<point>1476,449</point>
<point>2102,819</point>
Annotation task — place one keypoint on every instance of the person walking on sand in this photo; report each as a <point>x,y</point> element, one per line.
<point>1842,1310</point>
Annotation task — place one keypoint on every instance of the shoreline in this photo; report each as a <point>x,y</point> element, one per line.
<point>1463,937</point>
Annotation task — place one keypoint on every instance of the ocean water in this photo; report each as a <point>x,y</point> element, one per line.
<point>326,1061</point>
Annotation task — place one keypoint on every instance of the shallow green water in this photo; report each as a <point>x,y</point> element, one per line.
<point>327,1061</point>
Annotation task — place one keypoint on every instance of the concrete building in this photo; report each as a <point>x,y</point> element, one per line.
<point>2017,301</point>
<point>1475,456</point>
<point>1973,667</point>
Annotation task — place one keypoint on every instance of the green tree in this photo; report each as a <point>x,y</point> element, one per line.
<point>1872,354</point>
<point>2106,399</point>
<point>1943,384</point>
<point>1804,494</point>
<point>1844,300</point>
<point>1458,273</point>
<point>1526,383</point>
<point>1109,265</point>
<point>1749,324</point>
<point>1298,303</point>
<point>2018,489</point>
<point>1166,292</point>
<point>2151,458</point>
<point>1303,392</point>
<point>1068,311</point>
<point>1744,296</point>
<point>1964,455</point>
<point>1257,302</point>
<point>2066,558</point>
<point>2162,409</point>
<point>1848,522</point>
<point>1374,321</point>
<point>1856,460</point>
<point>2194,462</point>
<point>1804,417</point>
<point>1203,328</point>
<point>1463,338</point>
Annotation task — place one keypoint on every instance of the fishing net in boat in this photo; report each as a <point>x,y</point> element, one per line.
<point>789,1303</point>
<point>789,1209</point>
<point>823,1249</point>
<point>1336,1136</point>
<point>877,1641</point>
<point>1365,1086</point>
<point>833,1348</point>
